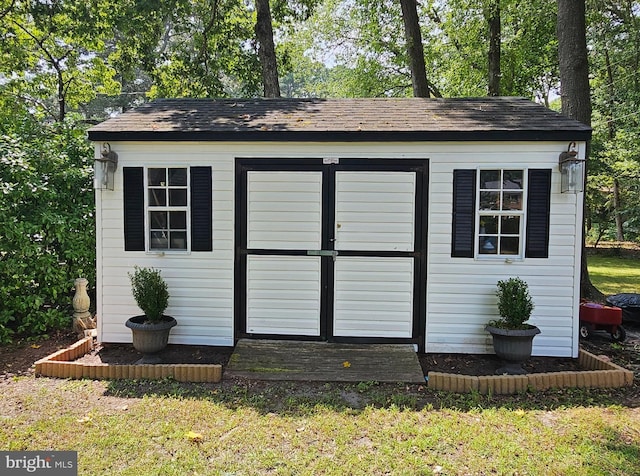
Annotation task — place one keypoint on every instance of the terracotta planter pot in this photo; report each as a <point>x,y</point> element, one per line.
<point>150,338</point>
<point>513,346</point>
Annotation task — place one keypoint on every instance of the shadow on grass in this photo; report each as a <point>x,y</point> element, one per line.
<point>626,449</point>
<point>304,397</point>
<point>300,398</point>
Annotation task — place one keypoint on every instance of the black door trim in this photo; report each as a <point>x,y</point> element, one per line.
<point>420,166</point>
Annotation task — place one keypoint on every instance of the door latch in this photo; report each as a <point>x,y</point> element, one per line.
<point>331,253</point>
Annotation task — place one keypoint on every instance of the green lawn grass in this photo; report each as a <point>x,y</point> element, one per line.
<point>614,274</point>
<point>276,429</point>
<point>251,428</point>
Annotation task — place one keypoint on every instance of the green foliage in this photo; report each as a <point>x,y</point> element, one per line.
<point>103,56</point>
<point>363,387</point>
<point>348,49</point>
<point>514,304</point>
<point>53,54</point>
<point>458,32</point>
<point>150,292</point>
<point>189,48</point>
<point>357,49</point>
<point>46,222</point>
<point>614,37</point>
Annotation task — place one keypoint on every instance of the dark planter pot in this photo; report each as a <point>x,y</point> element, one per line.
<point>150,338</point>
<point>512,346</point>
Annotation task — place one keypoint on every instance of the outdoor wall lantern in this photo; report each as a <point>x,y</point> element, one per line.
<point>105,168</point>
<point>572,170</point>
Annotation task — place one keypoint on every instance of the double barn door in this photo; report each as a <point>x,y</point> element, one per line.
<point>331,249</point>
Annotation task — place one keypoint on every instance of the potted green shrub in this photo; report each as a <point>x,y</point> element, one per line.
<point>151,330</point>
<point>512,336</point>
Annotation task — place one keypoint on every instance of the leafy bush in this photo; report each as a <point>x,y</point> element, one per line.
<point>150,292</point>
<point>46,223</point>
<point>514,304</point>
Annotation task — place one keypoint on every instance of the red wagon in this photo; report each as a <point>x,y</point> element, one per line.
<point>597,317</point>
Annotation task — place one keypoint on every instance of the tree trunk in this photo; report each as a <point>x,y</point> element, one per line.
<point>414,48</point>
<point>495,36</point>
<point>611,126</point>
<point>574,63</point>
<point>616,211</point>
<point>62,102</point>
<point>575,94</point>
<point>266,50</point>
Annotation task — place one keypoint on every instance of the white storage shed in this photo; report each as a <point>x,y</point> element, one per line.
<point>349,220</point>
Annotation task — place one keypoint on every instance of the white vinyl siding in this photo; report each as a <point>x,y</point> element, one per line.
<point>373,297</point>
<point>460,293</point>
<point>200,283</point>
<point>284,210</point>
<point>375,211</point>
<point>283,295</point>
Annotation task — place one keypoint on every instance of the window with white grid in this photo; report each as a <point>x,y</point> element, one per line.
<point>500,207</point>
<point>167,208</point>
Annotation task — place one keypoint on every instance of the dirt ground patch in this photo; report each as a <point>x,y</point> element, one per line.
<point>18,358</point>
<point>626,354</point>
<point>615,248</point>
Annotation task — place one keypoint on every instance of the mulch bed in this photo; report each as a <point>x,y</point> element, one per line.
<point>125,354</point>
<point>472,364</point>
<point>18,359</point>
<point>453,363</point>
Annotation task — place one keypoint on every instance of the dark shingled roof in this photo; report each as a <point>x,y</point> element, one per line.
<point>381,119</point>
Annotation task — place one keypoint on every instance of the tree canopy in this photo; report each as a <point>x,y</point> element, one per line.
<point>65,64</point>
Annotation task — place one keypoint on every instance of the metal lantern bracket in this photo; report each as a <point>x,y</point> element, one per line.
<point>571,154</point>
<point>105,168</point>
<point>572,169</point>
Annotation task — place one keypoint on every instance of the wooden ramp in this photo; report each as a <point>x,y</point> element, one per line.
<point>324,361</point>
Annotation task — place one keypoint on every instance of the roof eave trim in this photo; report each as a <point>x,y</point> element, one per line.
<point>341,136</point>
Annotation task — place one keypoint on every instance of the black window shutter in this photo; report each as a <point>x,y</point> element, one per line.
<point>464,213</point>
<point>133,186</point>
<point>538,206</point>
<point>201,209</point>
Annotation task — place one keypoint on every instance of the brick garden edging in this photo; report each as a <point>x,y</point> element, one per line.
<point>61,364</point>
<point>598,373</point>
